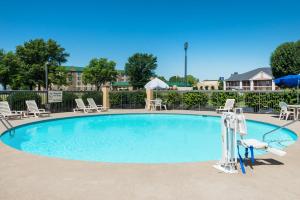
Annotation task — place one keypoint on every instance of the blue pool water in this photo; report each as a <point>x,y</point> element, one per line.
<point>134,138</point>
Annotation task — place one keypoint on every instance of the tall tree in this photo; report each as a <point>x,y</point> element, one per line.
<point>36,54</point>
<point>99,71</point>
<point>190,79</point>
<point>140,68</point>
<point>10,66</point>
<point>285,59</point>
<point>162,78</point>
<point>58,76</point>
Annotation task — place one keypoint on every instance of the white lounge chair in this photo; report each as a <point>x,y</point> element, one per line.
<point>33,109</point>
<point>80,106</point>
<point>7,113</point>
<point>92,104</point>
<point>229,104</point>
<point>285,112</point>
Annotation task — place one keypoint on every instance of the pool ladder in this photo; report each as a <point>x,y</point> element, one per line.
<point>7,125</point>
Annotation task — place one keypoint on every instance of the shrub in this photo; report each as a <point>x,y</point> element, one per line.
<point>96,95</point>
<point>192,99</point>
<point>259,101</point>
<point>131,99</point>
<point>172,99</point>
<point>115,99</point>
<point>17,99</point>
<point>67,104</point>
<point>219,98</point>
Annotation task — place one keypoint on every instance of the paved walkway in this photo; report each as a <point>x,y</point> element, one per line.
<point>30,177</point>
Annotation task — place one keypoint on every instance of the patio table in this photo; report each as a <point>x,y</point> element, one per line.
<point>295,108</point>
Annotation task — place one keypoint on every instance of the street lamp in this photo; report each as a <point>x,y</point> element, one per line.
<point>186,45</point>
<point>46,82</point>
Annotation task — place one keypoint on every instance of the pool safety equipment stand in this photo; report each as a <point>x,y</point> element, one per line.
<point>233,124</point>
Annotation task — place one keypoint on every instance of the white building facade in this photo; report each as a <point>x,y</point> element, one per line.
<point>260,79</point>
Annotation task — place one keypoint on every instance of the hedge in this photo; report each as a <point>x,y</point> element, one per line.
<point>96,95</point>
<point>259,101</point>
<point>194,99</point>
<point>17,99</point>
<point>67,104</point>
<point>134,99</point>
<point>219,98</point>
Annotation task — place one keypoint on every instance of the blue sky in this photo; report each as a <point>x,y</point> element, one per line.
<point>224,36</point>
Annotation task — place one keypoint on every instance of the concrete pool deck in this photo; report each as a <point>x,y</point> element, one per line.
<point>26,176</point>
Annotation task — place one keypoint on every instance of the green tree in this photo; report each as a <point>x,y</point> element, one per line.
<point>220,85</point>
<point>176,79</point>
<point>35,54</point>
<point>285,59</point>
<point>58,76</point>
<point>99,71</point>
<point>162,78</point>
<point>10,65</point>
<point>140,68</point>
<point>190,79</point>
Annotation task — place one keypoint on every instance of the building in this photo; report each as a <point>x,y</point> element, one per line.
<point>257,79</point>
<point>208,85</point>
<point>122,82</point>
<point>75,83</point>
<point>74,80</point>
<point>181,86</point>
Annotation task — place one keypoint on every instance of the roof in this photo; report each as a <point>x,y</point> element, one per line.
<point>120,84</point>
<point>74,68</point>
<point>250,74</point>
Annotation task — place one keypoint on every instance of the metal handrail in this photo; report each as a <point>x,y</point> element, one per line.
<point>278,128</point>
<point>7,124</point>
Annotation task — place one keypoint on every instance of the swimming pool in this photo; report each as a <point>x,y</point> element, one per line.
<point>134,138</point>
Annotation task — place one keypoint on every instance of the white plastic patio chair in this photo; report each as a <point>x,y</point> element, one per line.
<point>158,104</point>
<point>92,104</point>
<point>285,112</point>
<point>229,104</point>
<point>6,112</point>
<point>80,106</point>
<point>33,109</point>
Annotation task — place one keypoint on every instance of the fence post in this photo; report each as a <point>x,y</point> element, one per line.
<point>149,93</point>
<point>105,90</point>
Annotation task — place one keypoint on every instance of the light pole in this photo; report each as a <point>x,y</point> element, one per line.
<point>46,82</point>
<point>298,91</point>
<point>186,45</point>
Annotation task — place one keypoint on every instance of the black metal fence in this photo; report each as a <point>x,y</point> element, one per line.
<point>16,99</point>
<point>256,101</point>
<point>250,101</point>
<point>128,99</point>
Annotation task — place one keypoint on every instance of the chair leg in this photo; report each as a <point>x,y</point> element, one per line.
<point>287,116</point>
<point>280,115</point>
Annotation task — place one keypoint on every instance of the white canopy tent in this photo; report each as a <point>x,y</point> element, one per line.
<point>156,83</point>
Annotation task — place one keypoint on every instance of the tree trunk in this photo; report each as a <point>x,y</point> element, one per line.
<point>4,86</point>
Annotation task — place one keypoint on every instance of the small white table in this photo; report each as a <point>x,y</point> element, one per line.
<point>295,108</point>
